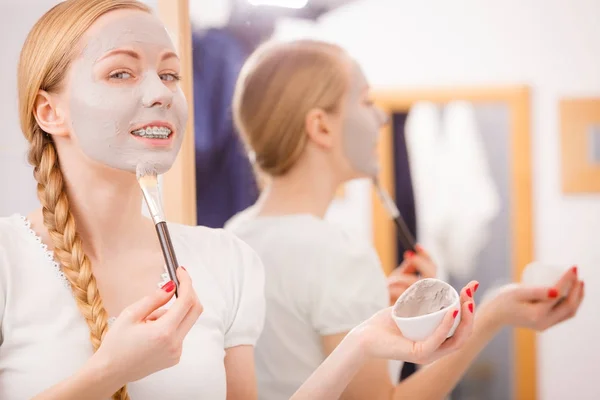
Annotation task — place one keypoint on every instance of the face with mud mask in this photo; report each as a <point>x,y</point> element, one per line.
<point>361,123</point>
<point>126,106</point>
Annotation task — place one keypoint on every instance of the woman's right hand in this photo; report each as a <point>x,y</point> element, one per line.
<point>145,338</point>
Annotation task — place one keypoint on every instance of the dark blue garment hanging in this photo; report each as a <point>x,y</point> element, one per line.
<point>404,198</point>
<point>225,182</point>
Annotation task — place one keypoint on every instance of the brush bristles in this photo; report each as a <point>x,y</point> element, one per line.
<point>146,170</point>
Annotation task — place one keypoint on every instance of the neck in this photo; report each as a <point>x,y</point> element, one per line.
<point>107,207</point>
<point>300,191</point>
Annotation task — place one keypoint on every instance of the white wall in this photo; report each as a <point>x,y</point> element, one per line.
<point>18,186</point>
<point>552,45</point>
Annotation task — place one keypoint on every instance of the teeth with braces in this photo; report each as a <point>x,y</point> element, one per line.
<point>153,132</point>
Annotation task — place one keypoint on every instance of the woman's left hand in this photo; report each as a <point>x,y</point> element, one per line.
<point>537,308</point>
<point>380,337</point>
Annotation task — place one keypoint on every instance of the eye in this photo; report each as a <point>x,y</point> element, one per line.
<point>120,75</point>
<point>170,77</point>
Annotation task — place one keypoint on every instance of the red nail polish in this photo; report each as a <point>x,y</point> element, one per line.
<point>455,314</point>
<point>552,293</point>
<point>574,269</point>
<point>475,287</point>
<point>469,292</point>
<point>471,307</point>
<point>168,287</point>
<point>409,254</point>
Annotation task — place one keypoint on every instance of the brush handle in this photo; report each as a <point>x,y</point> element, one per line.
<point>168,252</point>
<point>407,239</point>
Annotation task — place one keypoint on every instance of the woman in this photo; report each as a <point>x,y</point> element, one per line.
<point>304,112</point>
<point>98,95</point>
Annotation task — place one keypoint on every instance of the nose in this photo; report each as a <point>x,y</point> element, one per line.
<point>155,93</point>
<point>384,118</point>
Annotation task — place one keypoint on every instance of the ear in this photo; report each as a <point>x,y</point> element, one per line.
<point>49,115</point>
<point>319,128</point>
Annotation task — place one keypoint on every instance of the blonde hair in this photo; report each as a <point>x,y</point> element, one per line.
<point>50,47</point>
<point>277,87</point>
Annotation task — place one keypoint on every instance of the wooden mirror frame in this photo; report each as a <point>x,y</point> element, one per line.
<point>517,98</point>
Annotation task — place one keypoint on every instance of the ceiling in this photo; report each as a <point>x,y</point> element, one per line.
<point>207,13</point>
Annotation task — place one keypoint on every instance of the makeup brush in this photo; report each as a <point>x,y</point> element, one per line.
<point>148,180</point>
<point>404,235</point>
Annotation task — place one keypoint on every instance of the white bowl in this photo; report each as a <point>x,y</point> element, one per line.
<point>422,307</point>
<point>540,274</point>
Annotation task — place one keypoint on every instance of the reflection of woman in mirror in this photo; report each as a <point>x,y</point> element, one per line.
<point>81,316</point>
<point>304,111</point>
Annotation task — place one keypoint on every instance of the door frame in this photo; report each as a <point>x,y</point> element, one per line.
<point>517,98</point>
<point>179,183</point>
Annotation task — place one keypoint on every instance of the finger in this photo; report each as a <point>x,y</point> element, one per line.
<point>189,320</point>
<point>182,304</point>
<point>421,251</point>
<point>423,350</point>
<point>567,308</point>
<point>467,292</point>
<point>141,309</point>
<point>402,280</point>
<point>464,329</point>
<point>536,293</point>
<point>415,263</point>
<point>156,314</point>
<point>396,290</point>
<point>407,266</point>
<point>567,281</point>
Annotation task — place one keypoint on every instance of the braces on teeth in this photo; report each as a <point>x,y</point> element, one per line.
<point>153,132</point>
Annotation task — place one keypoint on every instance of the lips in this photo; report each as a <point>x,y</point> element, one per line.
<point>153,130</point>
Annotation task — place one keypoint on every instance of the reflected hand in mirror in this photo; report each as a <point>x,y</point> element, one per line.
<point>415,266</point>
<point>535,307</point>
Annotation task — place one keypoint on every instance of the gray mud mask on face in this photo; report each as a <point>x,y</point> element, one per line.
<point>103,114</point>
<point>361,127</point>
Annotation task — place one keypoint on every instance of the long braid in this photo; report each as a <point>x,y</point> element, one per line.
<point>68,248</point>
<point>51,46</point>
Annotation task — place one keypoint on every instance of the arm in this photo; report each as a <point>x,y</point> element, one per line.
<point>93,381</point>
<point>372,378</point>
<point>239,369</point>
<point>447,371</point>
<point>356,367</point>
<point>329,378</point>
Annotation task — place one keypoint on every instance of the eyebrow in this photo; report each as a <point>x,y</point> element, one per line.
<point>168,55</point>
<point>130,53</point>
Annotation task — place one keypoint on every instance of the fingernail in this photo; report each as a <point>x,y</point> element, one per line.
<point>471,307</point>
<point>469,292</point>
<point>475,287</point>
<point>168,287</point>
<point>408,254</point>
<point>455,314</point>
<point>418,247</point>
<point>552,293</point>
<point>574,269</point>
